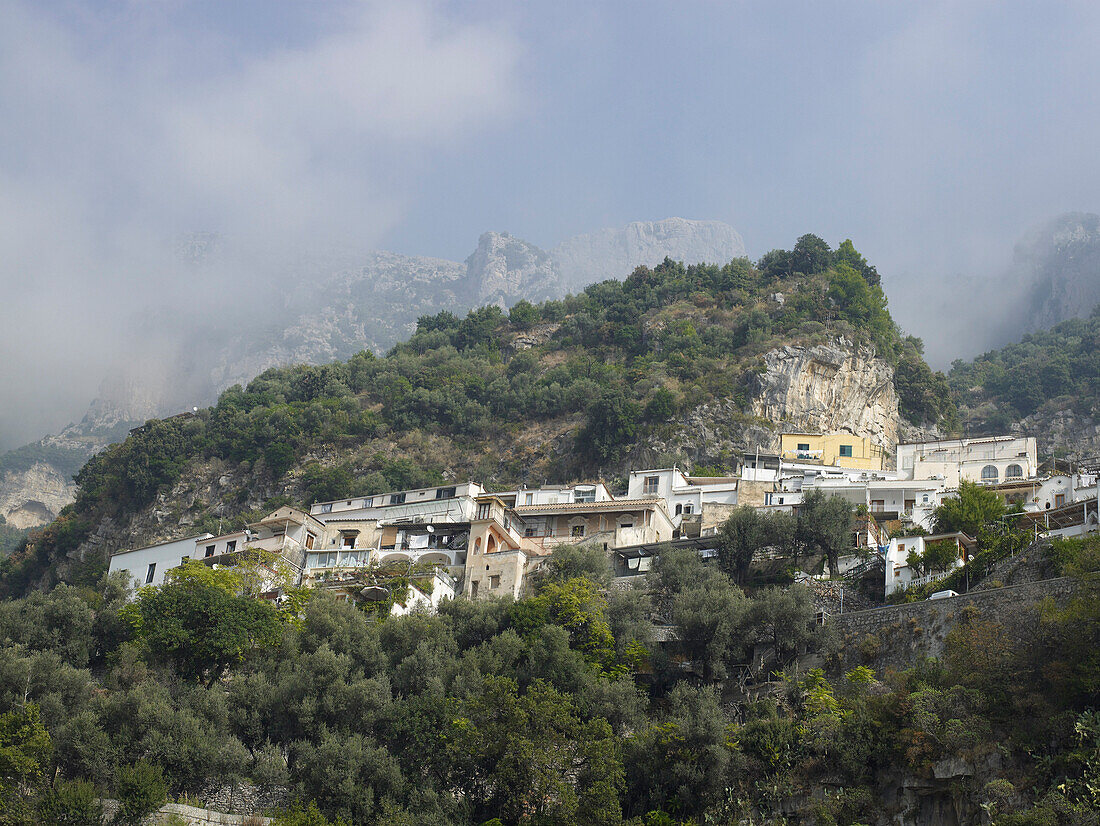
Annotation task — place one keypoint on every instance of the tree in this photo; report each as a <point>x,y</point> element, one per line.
<point>846,254</point>
<point>612,421</point>
<point>523,314</point>
<point>811,255</point>
<point>141,791</point>
<point>529,758</point>
<point>584,561</point>
<point>825,527</point>
<point>785,618</point>
<point>973,507</point>
<point>202,629</point>
<point>25,749</point>
<point>745,532</point>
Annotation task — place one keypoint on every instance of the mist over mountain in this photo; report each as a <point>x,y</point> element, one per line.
<point>315,309</point>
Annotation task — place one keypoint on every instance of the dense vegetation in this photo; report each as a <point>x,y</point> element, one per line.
<point>557,709</point>
<point>1059,367</point>
<point>547,392</point>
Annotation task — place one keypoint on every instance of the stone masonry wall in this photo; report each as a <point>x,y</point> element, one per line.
<point>899,635</point>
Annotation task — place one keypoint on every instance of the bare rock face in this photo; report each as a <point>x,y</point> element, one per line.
<point>1074,435</point>
<point>1061,260</point>
<point>34,496</point>
<point>504,269</point>
<point>615,253</point>
<point>828,388</point>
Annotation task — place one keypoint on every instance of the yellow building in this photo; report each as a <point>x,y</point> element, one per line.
<point>836,449</point>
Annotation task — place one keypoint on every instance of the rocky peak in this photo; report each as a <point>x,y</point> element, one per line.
<point>504,269</point>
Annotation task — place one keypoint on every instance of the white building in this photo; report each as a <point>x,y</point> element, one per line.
<point>148,565</point>
<point>900,576</point>
<point>989,459</point>
<point>452,502</point>
<point>704,501</point>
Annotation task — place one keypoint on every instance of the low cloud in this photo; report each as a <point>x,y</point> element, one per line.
<point>128,127</point>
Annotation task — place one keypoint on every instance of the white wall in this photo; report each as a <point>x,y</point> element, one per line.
<point>165,556</point>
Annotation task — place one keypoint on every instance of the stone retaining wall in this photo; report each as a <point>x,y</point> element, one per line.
<point>899,635</point>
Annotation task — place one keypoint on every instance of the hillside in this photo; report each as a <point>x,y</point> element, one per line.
<point>315,310</point>
<point>680,364</point>
<point>1047,384</point>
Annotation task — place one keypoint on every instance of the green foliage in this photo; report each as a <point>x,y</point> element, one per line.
<point>611,423</point>
<point>1049,367</point>
<point>824,526</point>
<point>201,628</point>
<point>73,803</point>
<point>974,507</point>
<point>141,790</point>
<point>748,530</point>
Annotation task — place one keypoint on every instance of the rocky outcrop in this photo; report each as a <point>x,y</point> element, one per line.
<point>828,388</point>
<point>1072,435</point>
<point>614,253</point>
<point>1061,263</point>
<point>503,269</point>
<point>35,495</point>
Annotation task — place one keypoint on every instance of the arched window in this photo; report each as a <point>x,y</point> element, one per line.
<point>989,473</point>
<point>679,509</point>
<point>1014,472</point>
<point>491,545</point>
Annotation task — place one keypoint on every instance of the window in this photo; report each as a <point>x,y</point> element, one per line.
<point>231,546</point>
<point>901,549</point>
<point>577,531</point>
<point>483,510</point>
<point>989,473</point>
<point>584,494</point>
<point>924,499</point>
<point>846,450</point>
<point>349,542</point>
<point>444,493</point>
<point>650,485</point>
<point>1059,500</point>
<point>349,559</point>
<point>326,508</point>
<point>529,499</point>
<point>397,499</point>
<point>878,505</point>
<point>473,588</point>
<point>688,508</point>
<point>626,524</point>
<point>494,581</point>
<point>910,504</point>
<point>679,509</point>
<point>528,531</point>
<point>150,573</point>
<point>311,539</point>
<point>803,446</point>
<point>1014,472</point>
<point>210,550</point>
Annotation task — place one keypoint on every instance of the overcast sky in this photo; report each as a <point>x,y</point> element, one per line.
<point>933,134</point>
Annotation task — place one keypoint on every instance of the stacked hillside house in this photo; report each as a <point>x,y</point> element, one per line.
<point>458,538</point>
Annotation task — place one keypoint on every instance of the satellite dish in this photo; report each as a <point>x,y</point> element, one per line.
<point>375,593</point>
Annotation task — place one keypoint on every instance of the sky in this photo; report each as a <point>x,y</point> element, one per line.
<point>932,134</point>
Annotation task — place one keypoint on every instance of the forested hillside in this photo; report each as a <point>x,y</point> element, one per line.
<point>1047,372</point>
<point>549,392</point>
<point>559,709</point>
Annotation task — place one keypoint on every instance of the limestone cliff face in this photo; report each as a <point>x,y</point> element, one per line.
<point>33,497</point>
<point>823,388</point>
<point>504,269</point>
<point>826,388</point>
<point>1074,435</point>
